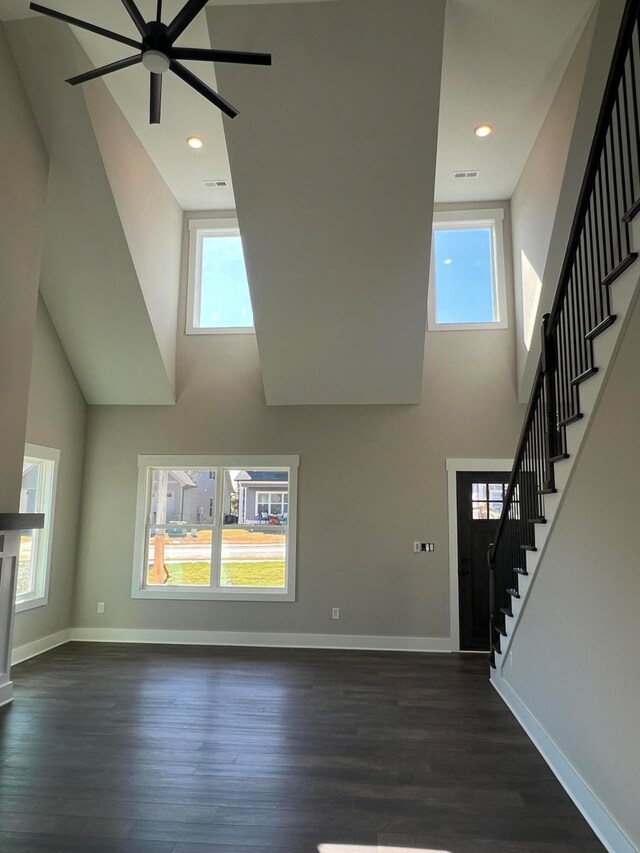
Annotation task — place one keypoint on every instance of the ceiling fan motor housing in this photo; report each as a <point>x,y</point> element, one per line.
<point>155,48</point>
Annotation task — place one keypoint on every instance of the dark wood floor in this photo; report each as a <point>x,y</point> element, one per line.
<point>155,749</point>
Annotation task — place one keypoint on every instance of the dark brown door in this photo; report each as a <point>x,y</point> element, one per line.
<point>480,497</point>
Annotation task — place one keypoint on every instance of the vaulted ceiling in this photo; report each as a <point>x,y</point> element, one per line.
<point>331,163</point>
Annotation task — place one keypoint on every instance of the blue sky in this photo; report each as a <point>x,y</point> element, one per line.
<point>225,300</point>
<point>464,291</point>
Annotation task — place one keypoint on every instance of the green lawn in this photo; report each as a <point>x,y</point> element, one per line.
<point>266,573</point>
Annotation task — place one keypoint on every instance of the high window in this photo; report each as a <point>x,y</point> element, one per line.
<point>218,294</point>
<point>241,548</point>
<point>467,286</point>
<point>37,495</point>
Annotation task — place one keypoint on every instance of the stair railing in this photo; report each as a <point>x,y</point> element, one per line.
<point>598,251</point>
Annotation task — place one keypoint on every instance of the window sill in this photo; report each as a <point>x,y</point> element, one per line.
<point>31,604</point>
<point>182,594</point>
<point>235,330</point>
<point>468,327</point>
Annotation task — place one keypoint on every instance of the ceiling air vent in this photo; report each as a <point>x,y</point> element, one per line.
<point>216,184</point>
<point>466,173</point>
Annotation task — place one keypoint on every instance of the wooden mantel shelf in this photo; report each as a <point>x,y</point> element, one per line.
<point>21,521</point>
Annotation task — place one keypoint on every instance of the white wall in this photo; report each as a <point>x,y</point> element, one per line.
<point>89,281</point>
<point>57,416</point>
<point>535,200</point>
<point>23,182</point>
<point>333,159</point>
<point>151,217</point>
<point>607,25</point>
<point>575,652</point>
<point>372,480</point>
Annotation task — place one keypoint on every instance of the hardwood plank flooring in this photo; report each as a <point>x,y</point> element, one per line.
<point>181,749</point>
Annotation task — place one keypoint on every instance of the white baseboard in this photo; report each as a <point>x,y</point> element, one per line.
<point>6,693</point>
<point>269,640</point>
<point>37,647</point>
<point>593,811</point>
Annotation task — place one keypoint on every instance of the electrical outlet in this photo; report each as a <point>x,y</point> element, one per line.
<point>101,607</point>
<point>422,547</point>
<point>335,613</point>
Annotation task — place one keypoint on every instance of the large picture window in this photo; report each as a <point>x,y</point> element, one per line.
<point>218,291</point>
<point>37,495</point>
<point>216,527</point>
<point>467,285</point>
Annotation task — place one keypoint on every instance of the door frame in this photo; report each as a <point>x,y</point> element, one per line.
<point>453,467</point>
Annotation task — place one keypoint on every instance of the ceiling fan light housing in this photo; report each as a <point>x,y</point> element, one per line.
<point>155,61</point>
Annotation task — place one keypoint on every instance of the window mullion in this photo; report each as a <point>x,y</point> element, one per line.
<point>216,533</point>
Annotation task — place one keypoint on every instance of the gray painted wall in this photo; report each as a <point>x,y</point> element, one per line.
<point>385,464</point>
<point>57,415</point>
<point>23,183</point>
<point>575,652</point>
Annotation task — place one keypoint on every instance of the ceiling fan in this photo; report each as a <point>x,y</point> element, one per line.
<point>158,53</point>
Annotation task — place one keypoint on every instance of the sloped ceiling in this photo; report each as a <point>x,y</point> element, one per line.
<point>333,159</point>
<point>89,279</point>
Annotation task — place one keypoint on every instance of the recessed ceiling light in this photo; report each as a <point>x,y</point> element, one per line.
<point>195,142</point>
<point>483,130</point>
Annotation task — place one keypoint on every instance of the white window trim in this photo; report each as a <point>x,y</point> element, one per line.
<point>243,463</point>
<point>481,218</point>
<point>48,454</point>
<point>198,229</point>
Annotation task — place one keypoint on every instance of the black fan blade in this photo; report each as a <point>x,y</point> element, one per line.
<point>136,17</point>
<point>76,22</point>
<point>204,55</point>
<point>184,18</point>
<point>203,89</point>
<point>105,69</point>
<point>156,98</point>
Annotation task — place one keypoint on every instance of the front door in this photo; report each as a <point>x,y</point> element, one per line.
<point>480,497</point>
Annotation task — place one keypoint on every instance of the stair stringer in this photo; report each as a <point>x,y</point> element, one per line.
<point>624,293</point>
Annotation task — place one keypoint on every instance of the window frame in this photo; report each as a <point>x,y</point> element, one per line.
<point>269,493</point>
<point>43,568</point>
<point>456,220</point>
<point>198,230</point>
<point>212,593</point>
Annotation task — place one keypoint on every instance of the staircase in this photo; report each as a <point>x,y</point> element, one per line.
<point>598,285</point>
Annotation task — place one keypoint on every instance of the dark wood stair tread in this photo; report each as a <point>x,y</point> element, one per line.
<point>514,593</point>
<point>601,327</point>
<point>528,547</point>
<point>572,419</point>
<point>582,377</point>
<point>617,272</point>
<point>559,458</point>
<point>507,612</point>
